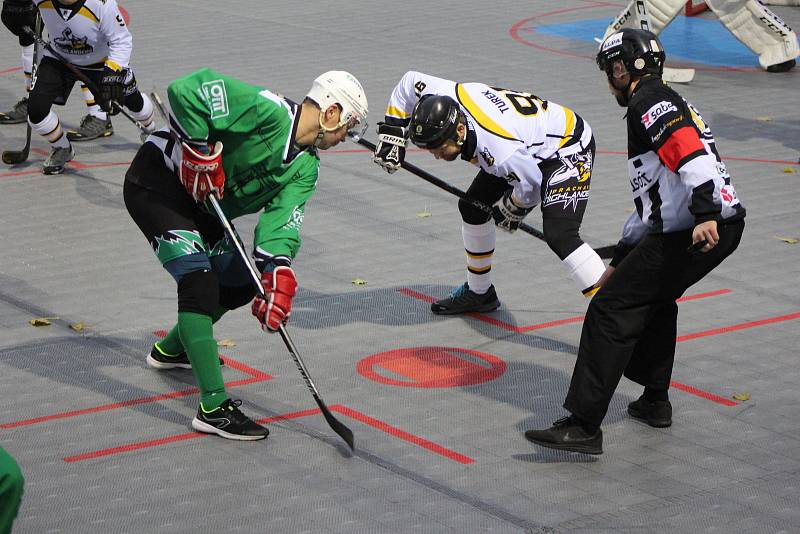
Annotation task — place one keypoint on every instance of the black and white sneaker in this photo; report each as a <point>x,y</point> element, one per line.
<point>58,159</point>
<point>464,300</point>
<point>228,422</point>
<point>157,359</point>
<point>91,128</point>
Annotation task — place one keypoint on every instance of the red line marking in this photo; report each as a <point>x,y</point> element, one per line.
<point>255,376</point>
<point>349,412</point>
<point>402,434</point>
<point>170,439</point>
<point>73,164</point>
<point>577,318</point>
<point>522,329</point>
<point>703,394</point>
<point>518,27</point>
<point>9,71</point>
<point>740,326</point>
<point>102,408</point>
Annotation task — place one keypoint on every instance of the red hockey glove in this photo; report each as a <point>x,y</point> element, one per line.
<point>200,173</point>
<point>280,286</point>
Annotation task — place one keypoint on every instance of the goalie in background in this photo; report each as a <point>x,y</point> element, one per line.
<point>687,220</point>
<point>758,28</point>
<point>528,152</point>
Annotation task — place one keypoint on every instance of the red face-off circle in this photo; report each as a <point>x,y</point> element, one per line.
<point>431,367</point>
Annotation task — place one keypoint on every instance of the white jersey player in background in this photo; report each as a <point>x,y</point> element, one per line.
<point>758,28</point>
<point>529,152</point>
<point>91,35</point>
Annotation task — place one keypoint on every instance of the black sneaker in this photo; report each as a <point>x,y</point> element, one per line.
<point>229,422</point>
<point>160,360</point>
<point>567,434</point>
<point>657,414</point>
<point>464,300</point>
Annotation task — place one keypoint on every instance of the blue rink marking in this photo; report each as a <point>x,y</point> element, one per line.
<point>687,38</point>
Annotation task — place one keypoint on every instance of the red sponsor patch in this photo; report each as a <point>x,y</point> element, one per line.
<point>680,144</point>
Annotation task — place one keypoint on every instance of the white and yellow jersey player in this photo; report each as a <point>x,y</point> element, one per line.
<point>530,152</point>
<point>87,33</point>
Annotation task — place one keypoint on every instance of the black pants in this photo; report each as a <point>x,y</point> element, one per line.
<point>54,82</point>
<point>631,323</point>
<point>564,194</point>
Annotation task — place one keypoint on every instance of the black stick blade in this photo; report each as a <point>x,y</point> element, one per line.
<point>337,426</point>
<point>12,157</point>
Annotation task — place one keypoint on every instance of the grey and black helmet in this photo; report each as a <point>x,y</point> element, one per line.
<point>434,120</point>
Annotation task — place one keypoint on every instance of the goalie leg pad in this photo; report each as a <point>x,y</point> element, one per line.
<point>758,28</point>
<point>656,14</point>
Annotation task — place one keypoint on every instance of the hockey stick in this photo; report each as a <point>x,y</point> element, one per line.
<point>337,426</point>
<point>669,74</point>
<point>12,157</point>
<point>604,252</point>
<point>81,77</point>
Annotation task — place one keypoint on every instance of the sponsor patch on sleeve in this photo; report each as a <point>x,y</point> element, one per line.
<point>654,113</point>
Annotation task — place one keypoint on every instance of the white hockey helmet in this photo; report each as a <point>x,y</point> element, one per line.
<point>340,87</point>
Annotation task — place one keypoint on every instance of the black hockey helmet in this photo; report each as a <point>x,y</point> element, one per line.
<point>640,51</point>
<point>434,120</point>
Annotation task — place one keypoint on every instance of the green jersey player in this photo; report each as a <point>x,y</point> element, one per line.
<point>258,152</point>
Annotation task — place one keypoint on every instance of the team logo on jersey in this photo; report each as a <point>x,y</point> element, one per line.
<point>71,44</point>
<point>487,156</point>
<point>295,220</point>
<point>216,98</point>
<point>577,166</point>
<point>654,113</point>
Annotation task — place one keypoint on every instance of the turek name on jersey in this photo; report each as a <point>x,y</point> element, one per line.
<point>651,115</point>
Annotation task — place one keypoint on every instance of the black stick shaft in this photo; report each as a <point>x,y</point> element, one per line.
<point>335,424</point>
<point>603,252</point>
<point>81,77</point>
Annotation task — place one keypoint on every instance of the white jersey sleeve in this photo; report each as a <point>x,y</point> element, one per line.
<point>120,41</point>
<point>410,89</point>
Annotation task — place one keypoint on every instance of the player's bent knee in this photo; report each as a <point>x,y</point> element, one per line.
<point>198,292</point>
<point>562,235</point>
<point>470,214</point>
<point>231,298</point>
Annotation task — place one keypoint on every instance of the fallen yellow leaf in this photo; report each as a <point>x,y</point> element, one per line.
<point>789,170</point>
<point>359,282</point>
<point>764,118</point>
<point>40,321</point>
<point>78,327</point>
<point>790,240</point>
<point>226,343</point>
<point>424,214</point>
<point>742,396</point>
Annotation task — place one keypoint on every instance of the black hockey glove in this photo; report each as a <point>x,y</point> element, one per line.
<point>16,15</point>
<point>508,215</point>
<point>391,149</point>
<point>112,87</point>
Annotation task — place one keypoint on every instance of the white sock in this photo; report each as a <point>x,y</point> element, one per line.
<point>585,268</point>
<point>479,240</point>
